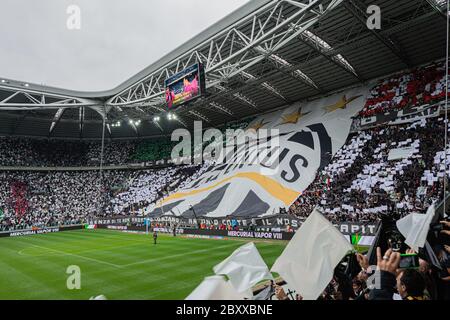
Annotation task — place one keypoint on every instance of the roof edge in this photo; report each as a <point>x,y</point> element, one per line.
<point>217,27</point>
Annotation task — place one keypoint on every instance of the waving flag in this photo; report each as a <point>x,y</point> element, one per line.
<point>244,268</point>
<point>215,288</point>
<point>308,261</point>
<point>415,226</point>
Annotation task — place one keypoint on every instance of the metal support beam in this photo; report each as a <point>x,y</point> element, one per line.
<point>81,120</point>
<point>439,9</point>
<point>231,51</point>
<point>355,7</point>
<point>24,99</point>
<point>58,115</point>
<point>312,41</point>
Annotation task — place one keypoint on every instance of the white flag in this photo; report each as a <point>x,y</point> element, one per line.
<point>414,227</point>
<point>308,261</point>
<point>244,268</point>
<point>100,297</point>
<point>215,288</point>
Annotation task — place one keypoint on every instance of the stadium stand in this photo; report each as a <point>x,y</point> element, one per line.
<point>30,152</point>
<point>424,85</point>
<point>145,187</point>
<point>362,183</point>
<point>48,199</point>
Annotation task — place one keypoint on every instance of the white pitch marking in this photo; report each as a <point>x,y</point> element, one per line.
<point>175,255</point>
<point>79,256</point>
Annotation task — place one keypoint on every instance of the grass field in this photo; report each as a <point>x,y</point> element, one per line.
<point>117,265</point>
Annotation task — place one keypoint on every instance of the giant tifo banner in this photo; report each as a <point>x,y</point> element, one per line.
<point>297,142</point>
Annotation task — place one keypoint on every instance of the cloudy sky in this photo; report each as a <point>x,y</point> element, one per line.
<point>117,38</point>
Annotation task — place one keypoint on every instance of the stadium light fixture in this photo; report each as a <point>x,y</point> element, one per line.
<point>116,124</point>
<point>134,122</point>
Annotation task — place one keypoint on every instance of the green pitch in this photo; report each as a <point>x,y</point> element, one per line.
<point>117,265</point>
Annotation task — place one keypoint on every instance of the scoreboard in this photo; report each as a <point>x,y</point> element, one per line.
<point>185,86</point>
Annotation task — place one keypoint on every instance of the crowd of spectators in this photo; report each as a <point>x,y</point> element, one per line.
<point>420,86</point>
<point>30,152</point>
<point>146,187</point>
<point>387,280</point>
<point>365,181</point>
<point>38,199</point>
<point>27,152</point>
<point>52,198</point>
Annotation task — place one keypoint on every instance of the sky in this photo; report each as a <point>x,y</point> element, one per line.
<point>115,40</point>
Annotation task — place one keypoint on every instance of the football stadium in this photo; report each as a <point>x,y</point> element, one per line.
<point>285,150</point>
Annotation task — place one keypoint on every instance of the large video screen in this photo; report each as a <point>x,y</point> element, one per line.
<point>185,86</point>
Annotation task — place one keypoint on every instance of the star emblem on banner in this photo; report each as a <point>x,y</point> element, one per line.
<point>341,104</point>
<point>293,117</point>
<point>257,125</point>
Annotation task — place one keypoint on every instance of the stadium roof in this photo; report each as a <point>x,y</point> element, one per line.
<point>261,57</point>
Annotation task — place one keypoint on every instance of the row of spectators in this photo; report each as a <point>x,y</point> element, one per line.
<point>27,152</point>
<point>387,280</point>
<point>424,85</point>
<point>52,198</point>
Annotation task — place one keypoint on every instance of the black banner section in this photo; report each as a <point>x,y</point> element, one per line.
<point>273,224</point>
<point>406,115</point>
<point>28,232</point>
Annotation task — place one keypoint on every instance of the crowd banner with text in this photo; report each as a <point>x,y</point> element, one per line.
<point>395,117</point>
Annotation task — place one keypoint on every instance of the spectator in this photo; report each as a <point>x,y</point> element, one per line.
<point>411,285</point>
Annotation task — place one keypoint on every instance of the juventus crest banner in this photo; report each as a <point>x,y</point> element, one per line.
<point>259,176</point>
